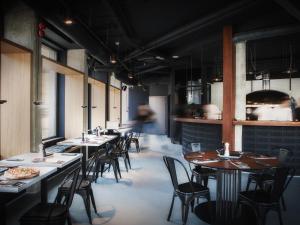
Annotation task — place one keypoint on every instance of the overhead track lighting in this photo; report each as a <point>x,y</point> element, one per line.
<point>113,59</point>
<point>68,21</point>
<point>130,75</point>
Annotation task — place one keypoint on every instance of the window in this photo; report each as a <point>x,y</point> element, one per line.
<point>49,97</point>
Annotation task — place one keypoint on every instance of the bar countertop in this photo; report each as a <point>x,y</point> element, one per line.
<point>193,120</point>
<point>267,123</point>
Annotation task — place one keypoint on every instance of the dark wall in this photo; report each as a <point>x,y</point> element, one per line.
<point>60,122</point>
<point>137,96</point>
<point>158,90</point>
<point>263,140</point>
<point>209,135</point>
<point>101,76</point>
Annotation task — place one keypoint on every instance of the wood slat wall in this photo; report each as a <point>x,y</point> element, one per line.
<point>73,106</point>
<point>98,101</point>
<point>114,104</point>
<point>15,114</point>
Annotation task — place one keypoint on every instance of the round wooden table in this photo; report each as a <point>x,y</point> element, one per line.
<point>228,174</point>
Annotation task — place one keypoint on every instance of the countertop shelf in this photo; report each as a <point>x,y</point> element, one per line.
<point>193,120</point>
<point>267,123</point>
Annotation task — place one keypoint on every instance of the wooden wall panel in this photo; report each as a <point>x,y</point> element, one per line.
<point>97,101</point>
<point>15,114</point>
<point>114,104</point>
<point>73,103</point>
<point>228,87</point>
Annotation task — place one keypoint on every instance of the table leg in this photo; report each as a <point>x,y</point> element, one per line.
<point>44,191</point>
<point>2,214</point>
<point>85,157</point>
<point>228,188</point>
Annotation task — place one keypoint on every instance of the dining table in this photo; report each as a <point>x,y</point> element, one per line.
<point>228,180</point>
<point>90,140</point>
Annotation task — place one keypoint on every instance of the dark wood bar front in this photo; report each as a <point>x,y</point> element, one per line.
<point>206,132</point>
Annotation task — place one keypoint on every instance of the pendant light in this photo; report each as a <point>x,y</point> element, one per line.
<point>291,66</point>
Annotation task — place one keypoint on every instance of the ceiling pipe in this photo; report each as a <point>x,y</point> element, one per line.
<point>192,27</point>
<point>152,69</point>
<point>290,8</point>
<point>121,20</point>
<point>266,33</point>
<point>79,37</point>
<point>94,35</point>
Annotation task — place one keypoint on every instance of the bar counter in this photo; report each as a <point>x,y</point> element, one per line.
<point>206,132</point>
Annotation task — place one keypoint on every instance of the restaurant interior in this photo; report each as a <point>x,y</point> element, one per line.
<point>130,112</point>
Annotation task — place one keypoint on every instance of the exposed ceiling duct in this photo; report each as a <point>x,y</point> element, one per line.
<point>192,27</point>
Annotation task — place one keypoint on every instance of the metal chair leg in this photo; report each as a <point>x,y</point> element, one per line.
<point>279,215</point>
<point>248,183</point>
<point>86,199</point>
<point>283,203</point>
<point>93,199</point>
<point>171,208</point>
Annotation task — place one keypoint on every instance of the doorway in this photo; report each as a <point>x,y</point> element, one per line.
<point>159,106</point>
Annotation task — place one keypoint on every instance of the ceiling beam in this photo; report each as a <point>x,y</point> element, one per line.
<point>290,8</point>
<point>122,21</point>
<point>213,18</point>
<point>155,68</point>
<point>266,33</point>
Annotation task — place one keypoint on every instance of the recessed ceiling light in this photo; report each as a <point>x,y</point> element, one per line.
<point>68,21</point>
<point>130,76</point>
<point>175,56</point>
<point>113,59</point>
<point>159,57</point>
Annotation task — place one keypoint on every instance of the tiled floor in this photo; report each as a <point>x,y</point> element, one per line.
<point>144,194</point>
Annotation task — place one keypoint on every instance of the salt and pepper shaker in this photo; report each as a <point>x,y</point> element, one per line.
<point>82,136</point>
<point>226,152</point>
<point>42,149</point>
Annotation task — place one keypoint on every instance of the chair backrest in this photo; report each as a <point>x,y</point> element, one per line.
<point>282,178</point>
<point>283,155</point>
<point>91,163</point>
<point>72,179</point>
<point>196,147</point>
<point>171,166</point>
<point>128,138</point>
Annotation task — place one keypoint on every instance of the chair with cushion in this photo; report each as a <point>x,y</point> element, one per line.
<point>262,201</point>
<point>83,187</point>
<point>187,192</point>
<point>56,213</point>
<point>264,179</point>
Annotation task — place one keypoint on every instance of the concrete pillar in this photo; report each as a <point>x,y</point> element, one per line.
<point>20,26</point>
<point>77,59</point>
<point>240,90</point>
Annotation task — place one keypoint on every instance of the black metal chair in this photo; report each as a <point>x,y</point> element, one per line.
<point>261,201</point>
<point>83,187</point>
<point>135,140</point>
<point>121,151</point>
<point>56,213</point>
<point>265,179</point>
<point>187,192</point>
<point>108,159</point>
<point>202,174</point>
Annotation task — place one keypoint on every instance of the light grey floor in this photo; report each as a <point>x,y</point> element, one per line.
<point>143,195</point>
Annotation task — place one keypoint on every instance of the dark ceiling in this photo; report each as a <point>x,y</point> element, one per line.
<point>150,32</point>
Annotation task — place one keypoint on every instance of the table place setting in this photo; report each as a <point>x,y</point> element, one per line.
<point>205,161</point>
<point>239,164</point>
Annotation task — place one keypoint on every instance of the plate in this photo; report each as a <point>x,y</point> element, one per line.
<point>229,157</point>
<point>20,173</point>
